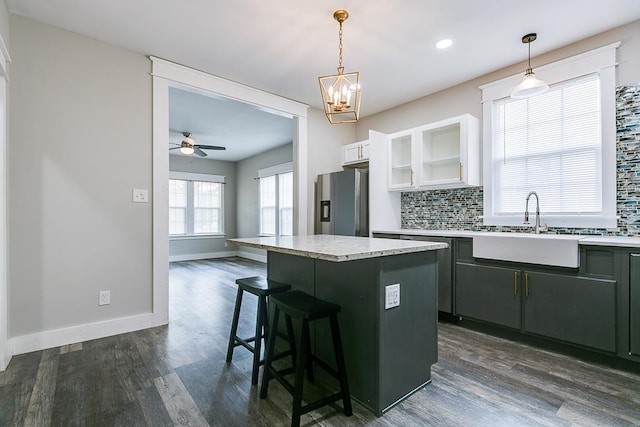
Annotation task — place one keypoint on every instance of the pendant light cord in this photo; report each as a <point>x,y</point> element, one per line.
<point>340,67</point>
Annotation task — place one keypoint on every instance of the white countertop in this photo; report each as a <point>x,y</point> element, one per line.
<point>626,242</point>
<point>337,248</point>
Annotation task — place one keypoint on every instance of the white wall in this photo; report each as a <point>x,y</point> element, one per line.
<point>80,141</point>
<point>201,248</point>
<point>465,98</point>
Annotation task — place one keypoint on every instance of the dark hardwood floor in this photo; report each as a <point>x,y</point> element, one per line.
<point>177,375</point>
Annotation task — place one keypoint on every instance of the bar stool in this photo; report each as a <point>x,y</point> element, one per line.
<point>262,288</point>
<point>305,308</point>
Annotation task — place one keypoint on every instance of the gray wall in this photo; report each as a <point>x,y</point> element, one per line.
<point>181,249</point>
<point>248,212</point>
<point>79,142</point>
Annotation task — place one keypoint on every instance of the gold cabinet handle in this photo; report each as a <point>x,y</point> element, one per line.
<point>411,176</point>
<point>359,152</point>
<point>515,283</point>
<point>460,171</point>
<point>526,284</point>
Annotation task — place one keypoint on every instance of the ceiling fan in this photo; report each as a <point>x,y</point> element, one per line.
<point>189,146</point>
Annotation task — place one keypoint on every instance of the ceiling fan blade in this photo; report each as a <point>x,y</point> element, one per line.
<point>173,148</point>
<point>199,152</point>
<point>211,147</point>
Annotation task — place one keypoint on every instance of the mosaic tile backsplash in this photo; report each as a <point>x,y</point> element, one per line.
<point>461,209</point>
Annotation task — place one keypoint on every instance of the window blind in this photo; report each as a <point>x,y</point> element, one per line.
<point>551,144</point>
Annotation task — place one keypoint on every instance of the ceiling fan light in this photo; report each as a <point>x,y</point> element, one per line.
<point>530,86</point>
<point>189,140</point>
<point>186,150</point>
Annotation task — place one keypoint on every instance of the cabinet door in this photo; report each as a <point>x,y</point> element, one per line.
<point>448,153</point>
<point>401,157</point>
<point>488,293</point>
<point>634,308</point>
<point>351,153</point>
<point>439,148</point>
<point>580,310</point>
<point>364,150</point>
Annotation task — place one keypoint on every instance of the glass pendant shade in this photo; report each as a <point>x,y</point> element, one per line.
<point>530,86</point>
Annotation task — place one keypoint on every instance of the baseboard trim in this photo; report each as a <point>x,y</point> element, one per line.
<point>205,255</point>
<point>57,337</point>
<point>252,256</point>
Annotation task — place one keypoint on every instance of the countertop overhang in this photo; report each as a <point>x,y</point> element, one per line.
<point>337,248</point>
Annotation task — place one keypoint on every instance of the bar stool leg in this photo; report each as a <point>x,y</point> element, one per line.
<point>299,377</point>
<point>291,339</point>
<point>342,369</point>
<point>234,326</point>
<point>262,303</point>
<point>268,355</point>
<point>309,359</point>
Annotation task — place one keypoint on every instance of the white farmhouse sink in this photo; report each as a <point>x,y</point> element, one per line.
<point>546,249</point>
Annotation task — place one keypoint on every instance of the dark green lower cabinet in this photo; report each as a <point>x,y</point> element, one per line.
<point>581,310</point>
<point>567,307</point>
<point>488,293</point>
<point>634,303</point>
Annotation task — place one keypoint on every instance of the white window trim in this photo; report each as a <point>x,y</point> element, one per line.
<point>602,61</point>
<point>192,176</point>
<point>275,170</point>
<point>271,171</point>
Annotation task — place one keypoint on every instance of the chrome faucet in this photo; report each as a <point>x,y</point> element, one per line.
<point>538,227</point>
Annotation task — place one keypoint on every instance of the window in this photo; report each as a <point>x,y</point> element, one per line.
<point>177,206</point>
<point>560,144</point>
<point>276,200</point>
<point>195,204</point>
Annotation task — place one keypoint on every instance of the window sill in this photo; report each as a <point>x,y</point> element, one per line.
<point>197,236</point>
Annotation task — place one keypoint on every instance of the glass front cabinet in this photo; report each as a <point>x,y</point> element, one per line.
<point>445,154</point>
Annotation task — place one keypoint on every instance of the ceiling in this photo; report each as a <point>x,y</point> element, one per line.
<point>282,47</point>
<point>243,129</point>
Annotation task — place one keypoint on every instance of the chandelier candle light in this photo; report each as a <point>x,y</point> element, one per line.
<point>341,92</point>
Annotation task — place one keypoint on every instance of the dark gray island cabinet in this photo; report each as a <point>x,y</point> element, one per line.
<point>388,351</point>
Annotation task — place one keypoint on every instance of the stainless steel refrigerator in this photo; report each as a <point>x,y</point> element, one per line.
<point>342,203</point>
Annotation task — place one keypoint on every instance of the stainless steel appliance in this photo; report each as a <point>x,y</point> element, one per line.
<point>342,203</point>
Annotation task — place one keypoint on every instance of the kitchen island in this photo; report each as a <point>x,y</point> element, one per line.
<point>388,351</point>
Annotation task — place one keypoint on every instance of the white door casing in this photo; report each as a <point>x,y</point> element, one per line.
<point>168,74</point>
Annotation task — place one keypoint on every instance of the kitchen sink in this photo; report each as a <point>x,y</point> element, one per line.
<point>545,249</point>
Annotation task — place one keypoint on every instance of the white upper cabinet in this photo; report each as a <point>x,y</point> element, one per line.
<point>355,154</point>
<point>444,154</point>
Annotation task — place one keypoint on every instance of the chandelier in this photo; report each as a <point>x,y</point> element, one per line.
<point>341,92</point>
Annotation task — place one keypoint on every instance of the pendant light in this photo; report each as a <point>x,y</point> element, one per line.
<point>341,92</point>
<point>530,85</point>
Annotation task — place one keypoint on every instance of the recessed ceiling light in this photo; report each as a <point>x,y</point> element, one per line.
<point>444,43</point>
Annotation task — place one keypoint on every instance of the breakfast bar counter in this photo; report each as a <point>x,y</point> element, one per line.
<point>388,350</point>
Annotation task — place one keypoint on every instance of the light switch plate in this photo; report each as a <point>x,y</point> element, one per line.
<point>391,296</point>
<point>140,196</point>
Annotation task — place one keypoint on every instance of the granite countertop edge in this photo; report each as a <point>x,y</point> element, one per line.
<point>353,255</point>
<point>619,241</point>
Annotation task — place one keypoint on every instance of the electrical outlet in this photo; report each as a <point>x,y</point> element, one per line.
<point>104,297</point>
<point>140,196</point>
<point>391,296</point>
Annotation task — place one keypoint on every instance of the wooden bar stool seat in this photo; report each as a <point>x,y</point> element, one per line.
<point>305,308</point>
<point>262,288</point>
